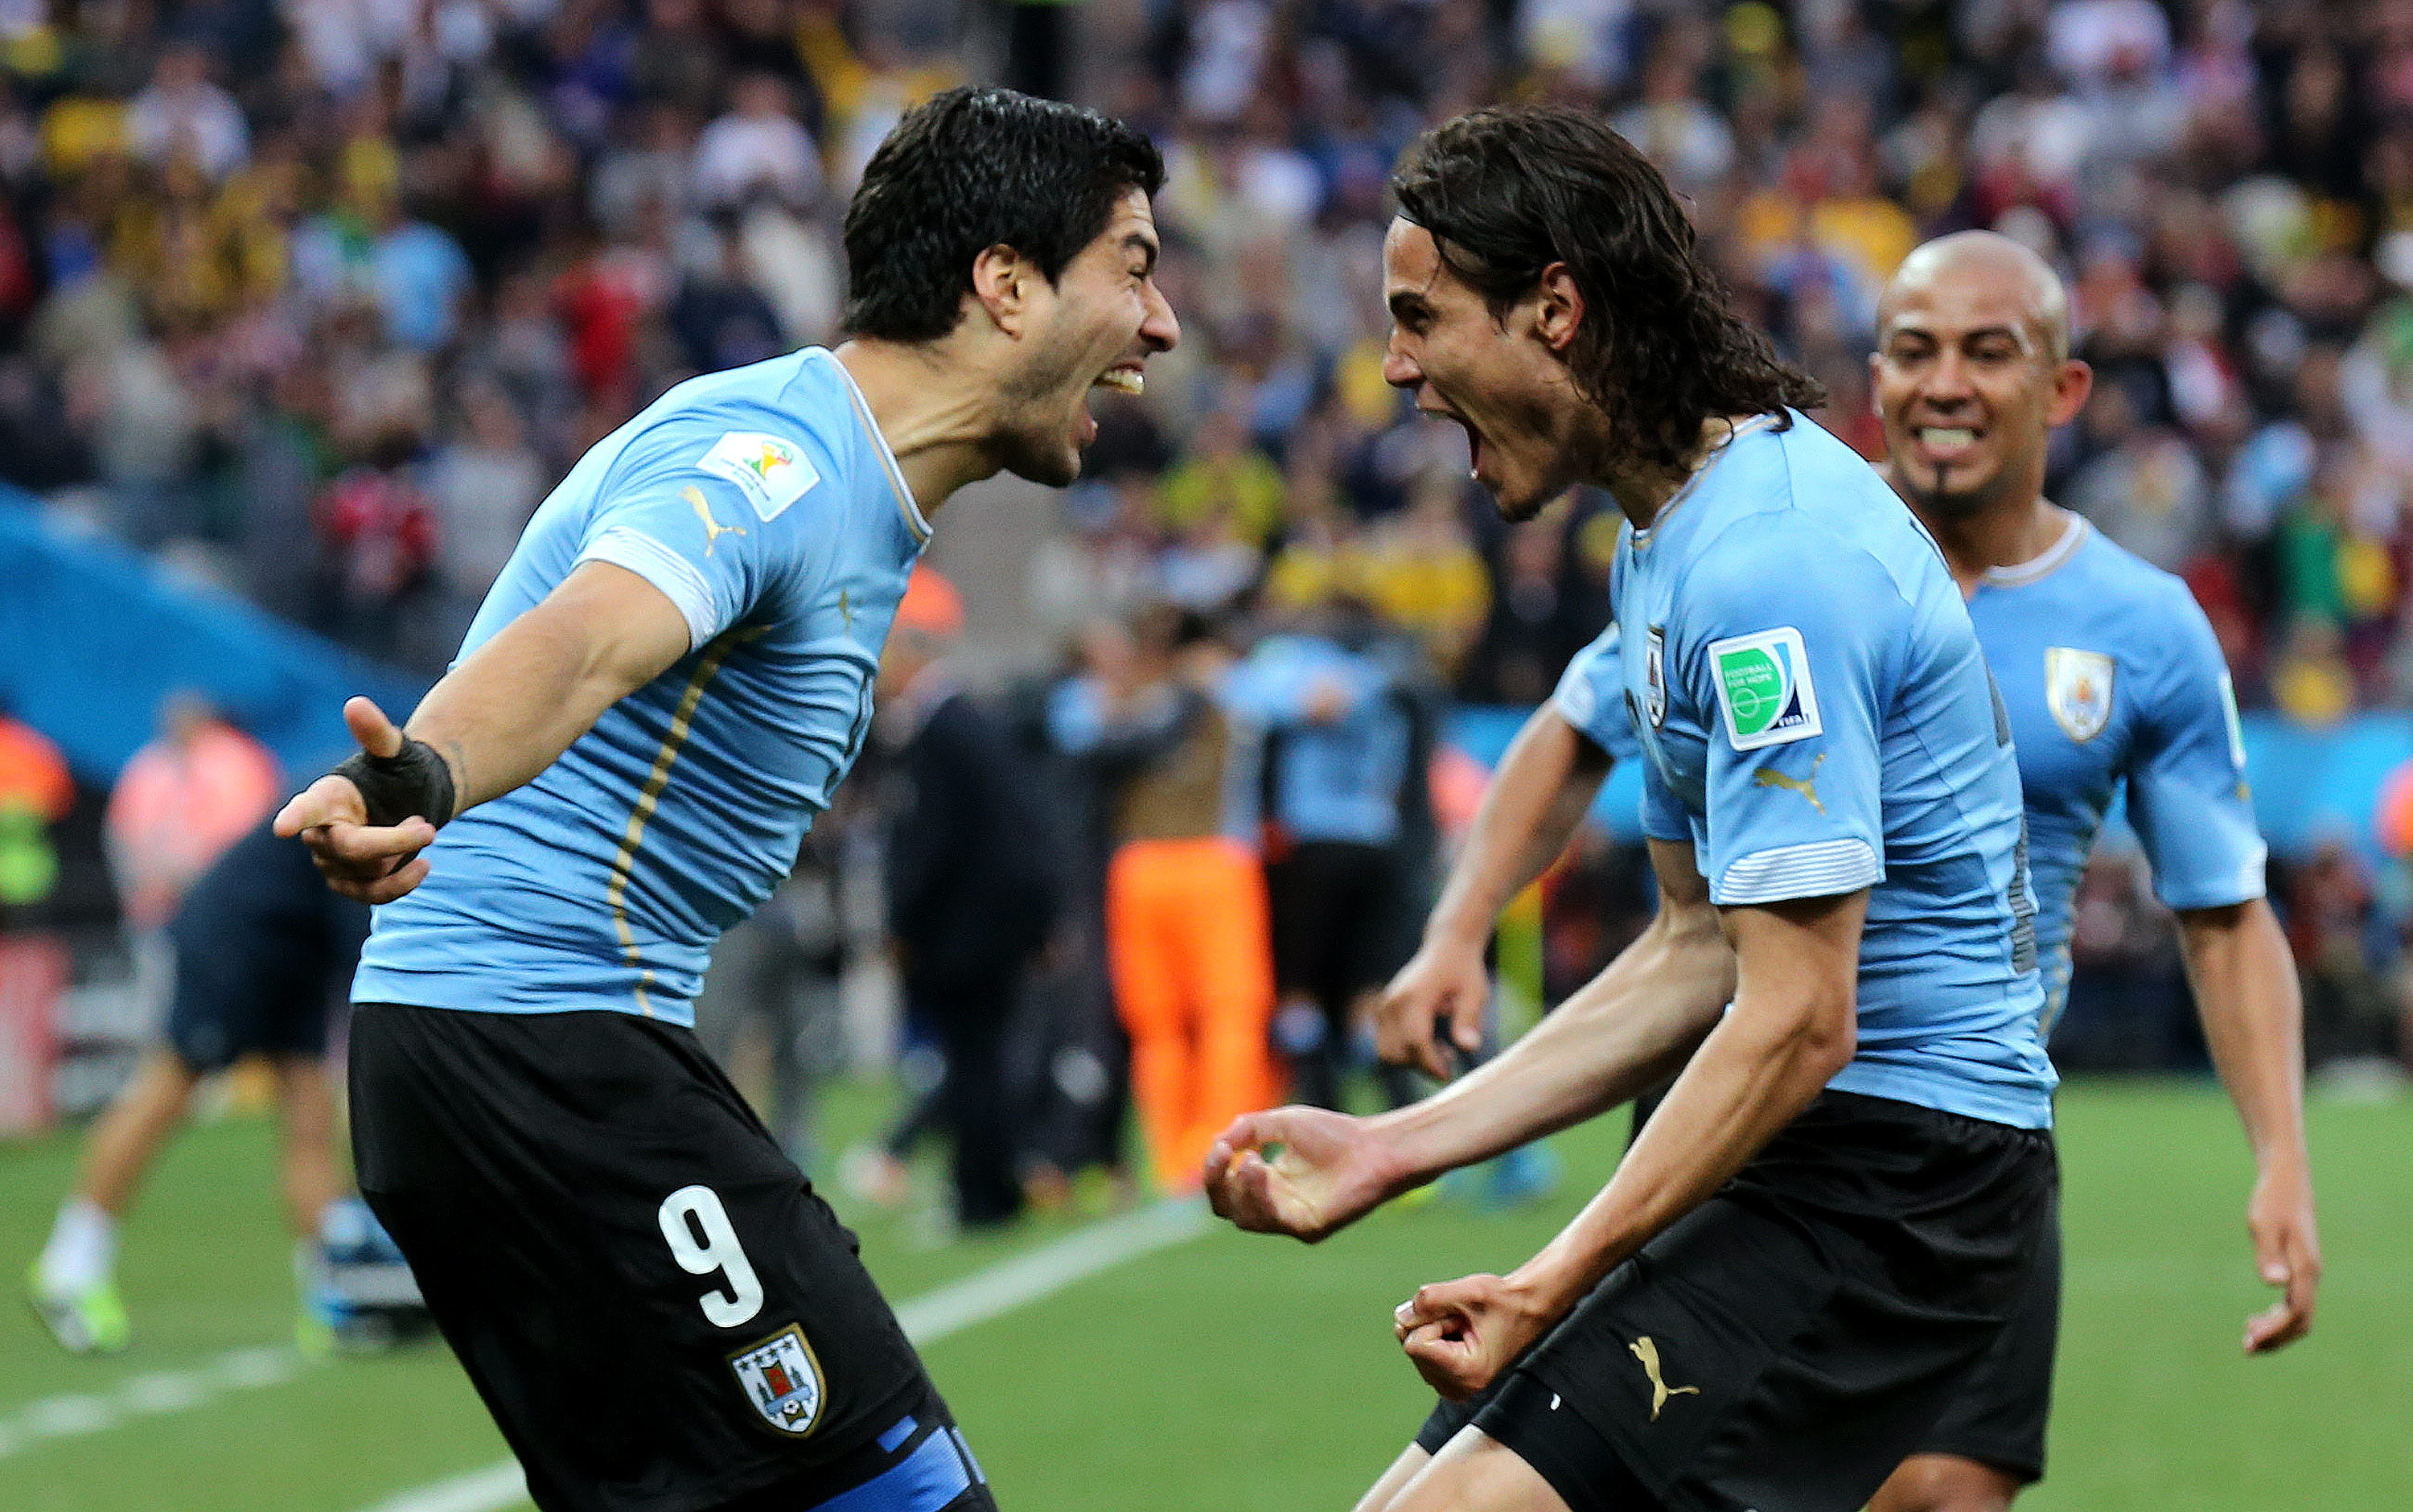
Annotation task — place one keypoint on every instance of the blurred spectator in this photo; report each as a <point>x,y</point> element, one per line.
<point>973,889</point>
<point>1186,923</point>
<point>482,484</point>
<point>184,114</point>
<point>757,148</point>
<point>1343,740</point>
<point>36,792</point>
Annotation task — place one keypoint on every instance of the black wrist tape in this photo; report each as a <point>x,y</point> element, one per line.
<point>413,781</point>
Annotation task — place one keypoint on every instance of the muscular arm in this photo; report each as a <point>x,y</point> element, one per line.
<point>1624,1031</point>
<point>498,718</point>
<point>1544,784</point>
<point>2246,990</point>
<point>514,706</point>
<point>1790,1029</point>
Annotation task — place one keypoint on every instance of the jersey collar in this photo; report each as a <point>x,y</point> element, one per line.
<point>2019,575</point>
<point>905,503</point>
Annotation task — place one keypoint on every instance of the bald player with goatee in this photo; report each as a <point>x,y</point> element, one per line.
<point>2112,677</point>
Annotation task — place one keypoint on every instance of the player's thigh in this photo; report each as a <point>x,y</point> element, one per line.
<point>1394,1480</point>
<point>1947,1483</point>
<point>1476,1472</point>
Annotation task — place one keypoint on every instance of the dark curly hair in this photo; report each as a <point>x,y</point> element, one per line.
<point>972,168</point>
<point>1508,192</point>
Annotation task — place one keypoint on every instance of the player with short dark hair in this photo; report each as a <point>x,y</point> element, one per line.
<point>2115,683</point>
<point>1838,1205</point>
<point>667,681</point>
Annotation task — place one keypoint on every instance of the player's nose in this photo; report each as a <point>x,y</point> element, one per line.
<point>1399,369</point>
<point>1160,326</point>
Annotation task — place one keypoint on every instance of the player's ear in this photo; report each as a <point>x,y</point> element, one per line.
<point>2070,386</point>
<point>1002,281</point>
<point>1559,307</point>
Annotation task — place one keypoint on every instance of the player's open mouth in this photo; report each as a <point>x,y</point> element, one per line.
<point>1127,377</point>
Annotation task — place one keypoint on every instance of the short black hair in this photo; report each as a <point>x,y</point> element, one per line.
<point>1508,192</point>
<point>972,168</point>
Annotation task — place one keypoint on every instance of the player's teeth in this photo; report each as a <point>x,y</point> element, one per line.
<point>1129,379</point>
<point>1960,436</point>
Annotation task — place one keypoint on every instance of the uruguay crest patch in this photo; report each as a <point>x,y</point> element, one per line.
<point>2078,690</point>
<point>783,1380</point>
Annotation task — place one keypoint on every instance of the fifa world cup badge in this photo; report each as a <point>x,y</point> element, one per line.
<point>782,1380</point>
<point>2078,690</point>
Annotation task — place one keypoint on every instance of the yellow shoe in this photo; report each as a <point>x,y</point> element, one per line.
<point>88,1322</point>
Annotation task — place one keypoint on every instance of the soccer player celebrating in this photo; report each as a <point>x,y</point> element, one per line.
<point>1839,1203</point>
<point>1974,374</point>
<point>2111,676</point>
<point>669,678</point>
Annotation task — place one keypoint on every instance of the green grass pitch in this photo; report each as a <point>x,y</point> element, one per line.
<point>1233,1373</point>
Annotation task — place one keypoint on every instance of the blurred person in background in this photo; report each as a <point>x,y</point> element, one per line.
<point>973,888</point>
<point>263,953</point>
<point>36,792</point>
<point>1342,740</point>
<point>1187,935</point>
<point>179,803</point>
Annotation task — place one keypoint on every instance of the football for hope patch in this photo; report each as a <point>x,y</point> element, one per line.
<point>1763,689</point>
<point>770,472</point>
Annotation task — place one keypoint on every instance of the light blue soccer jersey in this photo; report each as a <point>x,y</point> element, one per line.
<point>1816,718</point>
<point>2111,674</point>
<point>766,505</point>
<point>1590,696</point>
<point>1335,780</point>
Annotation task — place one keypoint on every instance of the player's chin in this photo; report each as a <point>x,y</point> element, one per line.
<point>1055,464</point>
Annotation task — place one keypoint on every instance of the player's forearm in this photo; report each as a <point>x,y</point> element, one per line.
<point>513,706</point>
<point>1790,1030</point>
<point>2246,993</point>
<point>1544,785</point>
<point>1619,1034</point>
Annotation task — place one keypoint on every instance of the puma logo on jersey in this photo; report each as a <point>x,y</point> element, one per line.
<point>1646,1350</point>
<point>1769,777</point>
<point>712,529</point>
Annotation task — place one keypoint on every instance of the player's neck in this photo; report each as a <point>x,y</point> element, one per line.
<point>938,427</point>
<point>1645,491</point>
<point>2008,534</point>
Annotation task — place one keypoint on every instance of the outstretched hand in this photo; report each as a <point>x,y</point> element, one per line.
<point>1327,1170</point>
<point>375,863</point>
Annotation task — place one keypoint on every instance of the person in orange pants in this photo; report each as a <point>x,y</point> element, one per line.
<point>1187,938</point>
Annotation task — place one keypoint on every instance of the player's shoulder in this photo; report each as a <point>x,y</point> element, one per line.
<point>1793,514</point>
<point>787,413</point>
<point>2152,610</point>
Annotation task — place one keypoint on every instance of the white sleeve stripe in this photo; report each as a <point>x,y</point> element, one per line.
<point>1821,870</point>
<point>625,546</point>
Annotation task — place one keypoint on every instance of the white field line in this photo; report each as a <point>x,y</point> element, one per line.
<point>928,1318</point>
<point>164,1391</point>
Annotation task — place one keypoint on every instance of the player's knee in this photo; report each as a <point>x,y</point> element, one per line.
<point>1945,1483</point>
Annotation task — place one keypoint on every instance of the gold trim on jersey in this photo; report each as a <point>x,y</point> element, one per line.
<point>616,896</point>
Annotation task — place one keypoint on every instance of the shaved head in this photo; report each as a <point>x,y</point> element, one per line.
<point>1971,373</point>
<point>1994,260</point>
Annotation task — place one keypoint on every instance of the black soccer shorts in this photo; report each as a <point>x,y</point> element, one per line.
<point>1785,1345</point>
<point>657,1308</point>
<point>1999,1415</point>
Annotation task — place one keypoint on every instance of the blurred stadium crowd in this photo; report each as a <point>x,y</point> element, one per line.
<point>317,298</point>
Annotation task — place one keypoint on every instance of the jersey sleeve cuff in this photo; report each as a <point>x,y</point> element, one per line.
<point>2243,886</point>
<point>1822,869</point>
<point>623,546</point>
